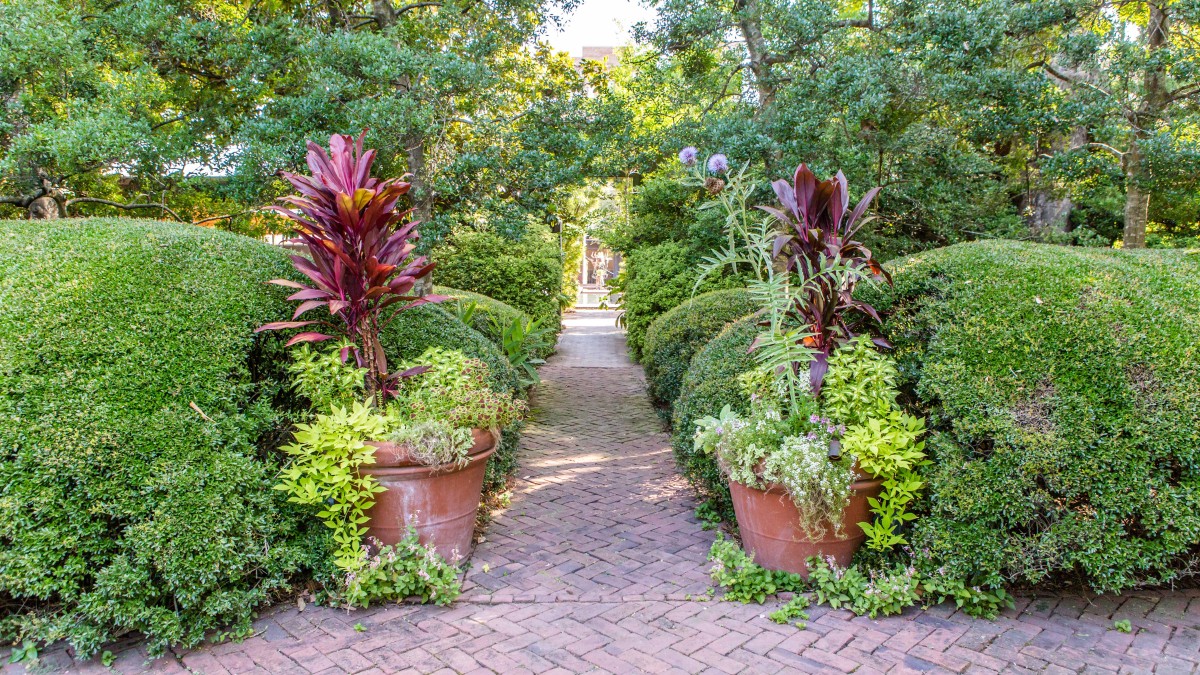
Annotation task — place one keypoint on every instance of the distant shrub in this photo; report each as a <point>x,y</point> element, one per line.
<point>526,274</point>
<point>138,413</point>
<point>710,384</point>
<point>1063,387</point>
<point>656,279</point>
<point>677,335</point>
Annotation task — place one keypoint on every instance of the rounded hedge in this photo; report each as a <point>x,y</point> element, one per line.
<point>526,274</point>
<point>709,385</point>
<point>137,415</point>
<point>656,279</point>
<point>1063,390</point>
<point>676,336</point>
<point>485,309</point>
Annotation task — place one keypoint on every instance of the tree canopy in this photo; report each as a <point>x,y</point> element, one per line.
<point>1072,121</point>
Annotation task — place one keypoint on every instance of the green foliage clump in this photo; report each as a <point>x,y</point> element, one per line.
<point>860,384</point>
<point>742,579</point>
<point>1062,390</point>
<point>792,609</point>
<point>455,390</point>
<point>138,412</point>
<point>711,383</point>
<point>406,570</point>
<point>656,279</point>
<point>324,379</point>
<point>526,274</point>
<point>418,329</point>
<point>675,337</point>
<point>880,593</point>
<point>324,473</point>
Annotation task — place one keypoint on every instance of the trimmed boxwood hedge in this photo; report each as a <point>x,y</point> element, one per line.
<point>709,385</point>
<point>656,279</point>
<point>1063,387</point>
<point>485,309</point>
<point>122,506</point>
<point>676,336</point>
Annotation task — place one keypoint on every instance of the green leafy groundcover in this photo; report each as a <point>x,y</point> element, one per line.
<point>122,506</point>
<point>676,336</point>
<point>710,384</point>
<point>1063,385</point>
<point>525,274</point>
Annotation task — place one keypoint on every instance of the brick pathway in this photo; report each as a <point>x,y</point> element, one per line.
<point>593,566</point>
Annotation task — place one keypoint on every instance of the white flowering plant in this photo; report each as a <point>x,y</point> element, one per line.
<point>780,444</point>
<point>406,570</point>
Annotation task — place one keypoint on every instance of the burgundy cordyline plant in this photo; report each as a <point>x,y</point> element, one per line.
<point>819,238</point>
<point>360,266</point>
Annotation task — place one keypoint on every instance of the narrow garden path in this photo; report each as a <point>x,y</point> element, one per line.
<point>597,562</point>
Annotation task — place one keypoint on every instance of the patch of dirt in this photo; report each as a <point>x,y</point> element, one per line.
<point>1034,413</point>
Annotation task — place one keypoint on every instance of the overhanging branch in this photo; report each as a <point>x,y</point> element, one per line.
<point>94,200</point>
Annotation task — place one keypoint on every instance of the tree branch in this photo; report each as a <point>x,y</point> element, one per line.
<point>1183,91</point>
<point>1105,146</point>
<point>164,123</point>
<point>23,201</point>
<point>228,217</point>
<point>1070,78</point>
<point>93,200</point>
<point>724,89</point>
<point>416,5</point>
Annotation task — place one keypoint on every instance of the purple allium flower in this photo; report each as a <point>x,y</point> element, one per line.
<point>718,163</point>
<point>689,155</point>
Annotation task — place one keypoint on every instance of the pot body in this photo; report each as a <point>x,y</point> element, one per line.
<point>440,502</point>
<point>770,527</point>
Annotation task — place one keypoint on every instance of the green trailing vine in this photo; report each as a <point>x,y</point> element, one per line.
<point>742,579</point>
<point>889,447</point>
<point>876,592</point>
<point>324,472</point>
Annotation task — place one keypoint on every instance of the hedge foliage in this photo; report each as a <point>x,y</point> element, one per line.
<point>709,385</point>
<point>1063,385</point>
<point>656,279</point>
<point>677,335</point>
<point>485,309</point>
<point>526,274</point>
<point>122,506</point>
<point>137,414</point>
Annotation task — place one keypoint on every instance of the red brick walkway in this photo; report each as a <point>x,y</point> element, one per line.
<point>595,566</point>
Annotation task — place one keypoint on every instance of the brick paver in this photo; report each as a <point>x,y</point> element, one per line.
<point>595,566</point>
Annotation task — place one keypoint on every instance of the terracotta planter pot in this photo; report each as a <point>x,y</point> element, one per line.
<point>770,527</point>
<point>440,502</point>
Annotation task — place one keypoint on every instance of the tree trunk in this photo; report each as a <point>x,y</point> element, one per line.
<point>1137,209</point>
<point>1049,214</point>
<point>756,47</point>
<point>1154,102</point>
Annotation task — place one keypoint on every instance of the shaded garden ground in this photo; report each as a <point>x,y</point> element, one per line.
<point>599,564</point>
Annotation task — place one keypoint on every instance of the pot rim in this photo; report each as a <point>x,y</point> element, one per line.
<point>485,444</point>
